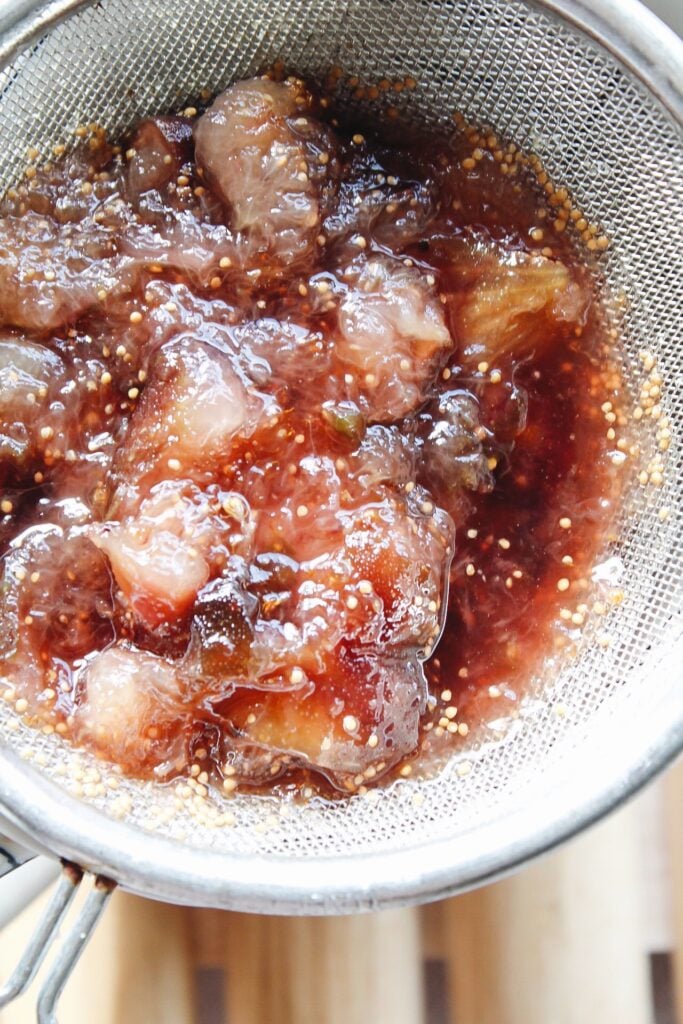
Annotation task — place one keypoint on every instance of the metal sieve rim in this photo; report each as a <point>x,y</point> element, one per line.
<point>42,814</point>
<point>636,37</point>
<point>626,28</point>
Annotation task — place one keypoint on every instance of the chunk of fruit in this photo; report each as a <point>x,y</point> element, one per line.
<point>223,625</point>
<point>363,717</point>
<point>516,302</point>
<point>56,591</point>
<point>192,408</point>
<point>299,513</point>
<point>384,456</point>
<point>163,555</point>
<point>405,559</point>
<point>388,209</point>
<point>183,240</point>
<point>259,149</point>
<point>392,335</point>
<point>128,706</point>
<point>287,352</point>
<point>158,572</point>
<point>452,455</point>
<point>245,635</point>
<point>51,273</point>
<point>160,147</point>
<point>25,369</point>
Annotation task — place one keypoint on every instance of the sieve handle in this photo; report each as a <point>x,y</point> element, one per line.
<point>12,855</point>
<point>45,934</point>
<point>24,875</point>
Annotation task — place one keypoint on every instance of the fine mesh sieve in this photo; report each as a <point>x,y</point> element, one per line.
<point>605,119</point>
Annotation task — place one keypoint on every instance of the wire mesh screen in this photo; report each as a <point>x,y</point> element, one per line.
<point>600,133</point>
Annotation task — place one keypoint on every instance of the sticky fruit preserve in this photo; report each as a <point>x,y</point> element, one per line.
<point>303,441</point>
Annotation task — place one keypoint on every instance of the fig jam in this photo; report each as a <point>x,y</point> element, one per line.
<point>302,441</point>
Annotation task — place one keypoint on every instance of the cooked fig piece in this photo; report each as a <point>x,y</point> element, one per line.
<point>389,210</point>
<point>452,452</point>
<point>360,725</point>
<point>163,555</point>
<point>51,273</point>
<point>223,626</point>
<point>284,352</point>
<point>515,302</point>
<point>160,146</point>
<point>271,163</point>
<point>56,597</point>
<point>27,370</point>
<point>192,408</point>
<point>131,709</point>
<point>392,336</point>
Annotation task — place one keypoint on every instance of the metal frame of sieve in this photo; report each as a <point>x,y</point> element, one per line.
<point>414,841</point>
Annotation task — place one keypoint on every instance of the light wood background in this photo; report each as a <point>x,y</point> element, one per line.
<point>588,935</point>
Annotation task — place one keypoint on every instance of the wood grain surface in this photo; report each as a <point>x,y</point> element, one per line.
<point>673,787</point>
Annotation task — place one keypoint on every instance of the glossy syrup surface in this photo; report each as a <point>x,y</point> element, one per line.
<point>303,442</point>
